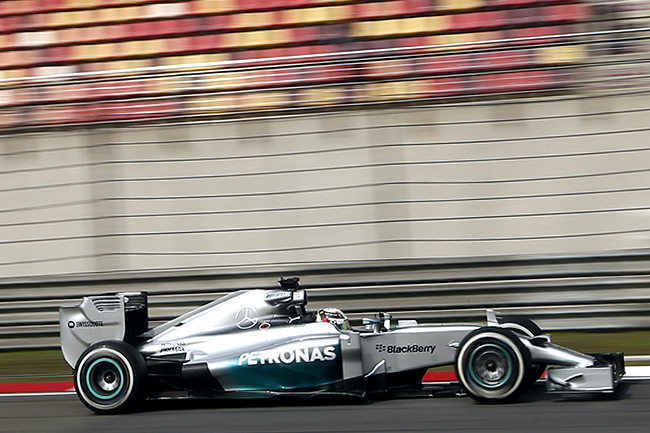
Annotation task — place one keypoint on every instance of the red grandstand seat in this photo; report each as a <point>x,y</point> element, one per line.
<point>273,54</point>
<point>519,36</point>
<point>201,24</point>
<point>245,56</point>
<point>203,42</point>
<point>396,8</point>
<point>294,3</point>
<point>119,31</point>
<point>138,29</point>
<point>506,59</point>
<point>470,21</point>
<point>509,2</point>
<point>57,54</point>
<point>220,22</point>
<point>449,63</point>
<point>411,42</point>
<point>187,25</point>
<point>540,32</point>
<point>441,87</point>
<point>524,16</point>
<point>302,35</point>
<point>166,27</point>
<point>322,53</point>
<point>329,73</point>
<point>419,6</point>
<point>565,12</point>
<point>274,78</point>
<point>362,11</point>
<point>298,52</point>
<point>334,33</point>
<point>50,5</point>
<point>248,5</point>
<point>12,23</point>
<point>512,82</point>
<point>498,18</point>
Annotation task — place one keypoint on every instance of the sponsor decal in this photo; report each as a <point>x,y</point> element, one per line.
<point>86,324</point>
<point>246,318</point>
<point>176,347</point>
<point>404,349</point>
<point>293,356</point>
<point>265,325</point>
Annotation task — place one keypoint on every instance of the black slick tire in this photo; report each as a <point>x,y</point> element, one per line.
<point>525,326</point>
<point>492,365</point>
<point>110,376</point>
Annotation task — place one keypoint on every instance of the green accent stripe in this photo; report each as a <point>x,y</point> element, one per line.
<point>90,386</point>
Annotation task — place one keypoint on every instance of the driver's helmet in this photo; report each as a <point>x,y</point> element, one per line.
<point>333,316</point>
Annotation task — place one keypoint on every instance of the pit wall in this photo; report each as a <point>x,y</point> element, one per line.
<point>512,178</point>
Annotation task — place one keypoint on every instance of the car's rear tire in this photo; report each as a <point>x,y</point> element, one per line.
<point>525,326</point>
<point>492,365</point>
<point>109,377</point>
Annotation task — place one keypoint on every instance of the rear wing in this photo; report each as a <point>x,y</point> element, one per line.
<point>122,316</point>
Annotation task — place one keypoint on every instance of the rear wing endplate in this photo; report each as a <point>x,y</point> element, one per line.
<point>122,316</point>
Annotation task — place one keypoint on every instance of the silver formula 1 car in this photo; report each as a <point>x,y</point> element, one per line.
<point>254,343</point>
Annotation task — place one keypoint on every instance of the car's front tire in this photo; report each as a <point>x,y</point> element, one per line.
<point>109,377</point>
<point>492,365</point>
<point>528,328</point>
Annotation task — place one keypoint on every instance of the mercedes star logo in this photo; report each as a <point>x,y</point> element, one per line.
<point>246,318</point>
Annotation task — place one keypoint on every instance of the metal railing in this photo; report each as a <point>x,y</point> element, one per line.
<point>606,292</point>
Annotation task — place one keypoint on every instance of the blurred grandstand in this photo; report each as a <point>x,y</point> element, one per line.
<point>65,62</point>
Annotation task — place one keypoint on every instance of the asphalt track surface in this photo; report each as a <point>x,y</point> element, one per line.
<point>626,411</point>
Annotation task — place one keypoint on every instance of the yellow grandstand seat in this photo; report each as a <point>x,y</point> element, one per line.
<point>261,100</point>
<point>86,4</point>
<point>361,29</point>
<point>313,15</point>
<point>415,25</point>
<point>129,48</point>
<point>320,96</point>
<point>217,103</point>
<point>561,55</point>
<point>452,42</point>
<point>389,91</point>
<point>215,6</point>
<point>229,40</point>
<point>253,38</point>
<point>440,23</point>
<point>191,62</point>
<point>225,81</point>
<point>252,20</point>
<point>57,19</point>
<point>381,28</point>
<point>331,1</point>
<point>452,5</point>
<point>279,36</point>
<point>339,13</point>
<point>131,66</point>
<point>291,16</point>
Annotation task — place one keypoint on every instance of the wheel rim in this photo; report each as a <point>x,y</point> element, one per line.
<point>105,379</point>
<point>490,366</point>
